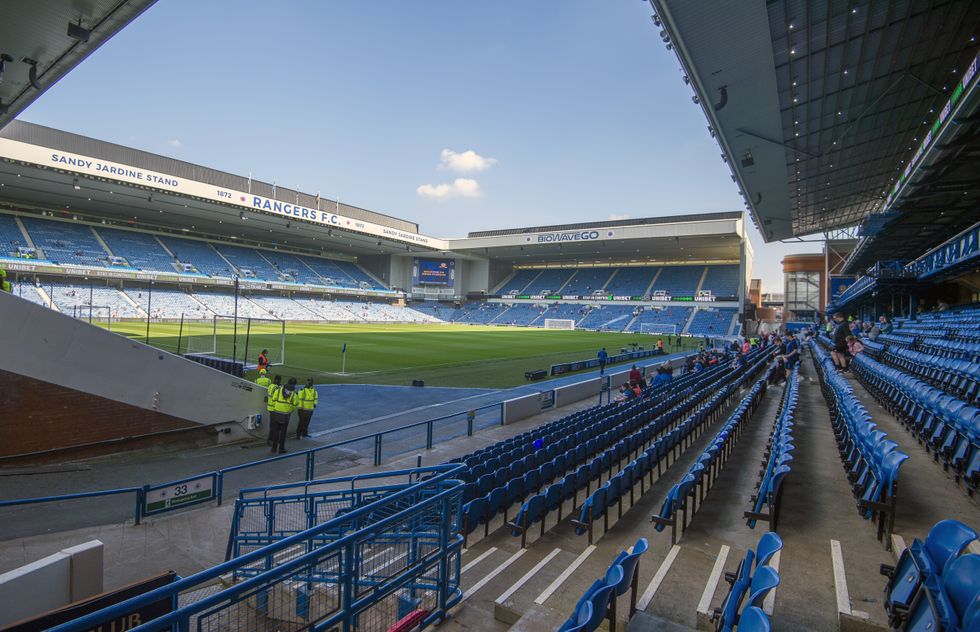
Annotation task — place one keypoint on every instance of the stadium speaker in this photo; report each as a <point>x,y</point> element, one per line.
<point>419,383</point>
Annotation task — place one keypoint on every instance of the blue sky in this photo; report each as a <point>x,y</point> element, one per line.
<point>573,109</point>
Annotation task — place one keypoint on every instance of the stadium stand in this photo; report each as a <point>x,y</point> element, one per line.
<point>571,311</point>
<point>361,278</point>
<point>721,280</point>
<point>224,305</point>
<point>768,497</point>
<point>199,254</point>
<point>332,273</point>
<point>27,291</point>
<point>11,238</point>
<point>480,313</point>
<point>587,280</point>
<point>934,585</point>
<point>749,585</point>
<point>711,322</point>
<point>607,317</point>
<point>249,263</point>
<point>66,243</point>
<point>141,250</point>
<point>284,308</point>
<point>291,269</point>
<point>871,459</point>
<point>676,316</point>
<point>71,299</point>
<point>631,281</point>
<point>678,280</point>
<point>601,597</point>
<point>549,281</point>
<point>166,303</point>
<point>520,314</point>
<point>518,282</point>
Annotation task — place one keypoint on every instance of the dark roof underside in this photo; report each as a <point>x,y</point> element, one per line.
<point>854,83</point>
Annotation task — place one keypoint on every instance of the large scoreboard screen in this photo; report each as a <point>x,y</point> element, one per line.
<point>434,272</point>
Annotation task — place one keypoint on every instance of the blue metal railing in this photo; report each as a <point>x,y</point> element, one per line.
<point>425,433</point>
<point>323,576</point>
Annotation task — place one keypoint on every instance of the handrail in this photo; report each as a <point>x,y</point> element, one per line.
<point>93,619</point>
<point>219,474</point>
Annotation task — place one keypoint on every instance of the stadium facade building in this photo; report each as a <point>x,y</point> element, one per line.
<point>79,215</point>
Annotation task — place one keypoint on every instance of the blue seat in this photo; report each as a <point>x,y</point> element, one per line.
<point>753,619</point>
<point>579,620</point>
<point>768,545</point>
<point>764,579</point>
<point>601,597</point>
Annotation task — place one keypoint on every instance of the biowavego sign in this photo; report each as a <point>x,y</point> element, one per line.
<point>576,235</point>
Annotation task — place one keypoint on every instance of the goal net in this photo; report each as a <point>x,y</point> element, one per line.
<point>100,315</point>
<point>559,323</point>
<point>241,340</point>
<point>658,328</point>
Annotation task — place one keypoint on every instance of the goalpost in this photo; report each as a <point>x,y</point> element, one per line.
<point>94,314</point>
<point>559,323</point>
<point>241,340</point>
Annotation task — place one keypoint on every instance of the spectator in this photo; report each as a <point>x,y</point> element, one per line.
<point>791,353</point>
<point>841,331</point>
<point>854,346</point>
<point>746,347</point>
<point>884,325</point>
<point>635,376</point>
<point>603,357</point>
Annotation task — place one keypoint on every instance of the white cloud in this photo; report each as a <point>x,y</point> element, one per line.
<point>616,216</point>
<point>466,162</point>
<point>174,142</point>
<point>460,187</point>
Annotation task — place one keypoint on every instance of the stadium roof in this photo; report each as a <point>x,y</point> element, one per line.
<point>819,105</point>
<point>42,41</point>
<point>201,202</point>
<point>671,219</point>
<point>677,239</point>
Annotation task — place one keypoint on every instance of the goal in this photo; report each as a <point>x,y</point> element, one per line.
<point>559,323</point>
<point>241,340</point>
<point>94,314</point>
<point>658,328</point>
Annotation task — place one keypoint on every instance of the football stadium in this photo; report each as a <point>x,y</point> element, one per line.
<point>229,404</point>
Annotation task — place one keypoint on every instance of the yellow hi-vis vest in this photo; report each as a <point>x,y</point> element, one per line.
<point>264,382</point>
<point>271,399</point>
<point>285,404</point>
<point>307,398</point>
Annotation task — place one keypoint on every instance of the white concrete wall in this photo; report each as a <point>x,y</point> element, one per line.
<point>55,581</point>
<point>48,346</point>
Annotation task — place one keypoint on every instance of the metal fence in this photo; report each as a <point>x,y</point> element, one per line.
<point>362,568</point>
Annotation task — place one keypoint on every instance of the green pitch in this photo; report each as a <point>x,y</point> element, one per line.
<point>442,355</point>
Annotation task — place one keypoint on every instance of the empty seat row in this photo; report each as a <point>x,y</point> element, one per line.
<point>702,474</point>
<point>946,425</point>
<point>503,475</point>
<point>778,458</point>
<point>749,585</point>
<point>871,459</point>
<point>599,601</point>
<point>935,587</point>
<point>954,375</point>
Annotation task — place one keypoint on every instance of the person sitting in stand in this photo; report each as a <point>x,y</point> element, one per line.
<point>854,346</point>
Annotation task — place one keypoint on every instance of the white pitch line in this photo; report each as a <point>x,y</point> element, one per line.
<point>479,559</point>
<point>528,575</point>
<point>840,581</point>
<point>543,597</point>
<point>658,578</point>
<point>770,600</point>
<point>712,585</point>
<point>500,569</point>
